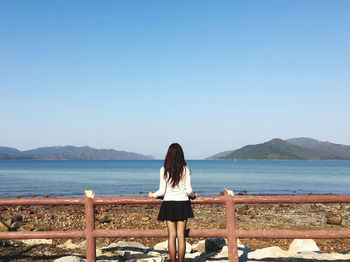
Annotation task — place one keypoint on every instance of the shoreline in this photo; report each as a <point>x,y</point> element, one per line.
<point>248,216</point>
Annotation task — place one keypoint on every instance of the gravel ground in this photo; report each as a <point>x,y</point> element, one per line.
<point>252,216</point>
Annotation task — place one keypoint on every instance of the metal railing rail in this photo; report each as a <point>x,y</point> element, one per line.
<point>231,233</point>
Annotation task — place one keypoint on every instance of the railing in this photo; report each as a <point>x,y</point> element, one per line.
<point>231,233</point>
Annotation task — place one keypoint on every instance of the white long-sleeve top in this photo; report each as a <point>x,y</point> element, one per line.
<point>181,192</point>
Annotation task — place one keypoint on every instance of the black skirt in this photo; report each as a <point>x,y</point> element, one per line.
<point>175,211</point>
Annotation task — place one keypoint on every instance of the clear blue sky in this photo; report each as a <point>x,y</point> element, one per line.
<point>138,75</point>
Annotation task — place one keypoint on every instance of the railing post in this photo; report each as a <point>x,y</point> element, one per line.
<point>90,226</point>
<point>231,227</point>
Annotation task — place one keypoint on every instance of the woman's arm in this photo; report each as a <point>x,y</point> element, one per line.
<point>189,190</point>
<point>162,185</point>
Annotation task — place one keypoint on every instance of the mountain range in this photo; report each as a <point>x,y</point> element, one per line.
<point>302,148</point>
<point>70,153</point>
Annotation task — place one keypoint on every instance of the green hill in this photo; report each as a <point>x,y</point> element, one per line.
<point>338,150</point>
<point>278,149</point>
<point>70,153</point>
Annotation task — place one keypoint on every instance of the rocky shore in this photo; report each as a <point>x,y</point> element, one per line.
<point>252,216</point>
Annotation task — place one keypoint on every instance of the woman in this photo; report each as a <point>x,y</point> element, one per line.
<point>175,186</point>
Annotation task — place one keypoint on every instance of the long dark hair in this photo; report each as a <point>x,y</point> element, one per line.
<point>174,164</point>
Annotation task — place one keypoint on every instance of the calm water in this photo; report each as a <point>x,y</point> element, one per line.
<point>116,178</point>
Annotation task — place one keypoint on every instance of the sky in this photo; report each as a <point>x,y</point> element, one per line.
<point>140,75</point>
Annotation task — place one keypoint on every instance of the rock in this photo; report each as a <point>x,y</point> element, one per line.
<point>26,227</point>
<point>209,245</point>
<point>309,255</point>
<point>130,244</point>
<point>41,228</point>
<point>8,222</point>
<point>70,259</point>
<point>337,257</point>
<point>223,255</point>
<point>243,210</point>
<point>164,246</point>
<point>102,219</point>
<point>269,252</point>
<point>15,225</point>
<point>126,245</point>
<point>197,257</point>
<point>70,245</point>
<point>3,227</point>
<point>220,209</point>
<point>129,250</point>
<point>161,246</point>
<point>32,242</point>
<point>158,253</point>
<point>284,205</point>
<point>224,251</point>
<point>333,219</point>
<point>199,247</point>
<point>253,214</point>
<point>17,218</point>
<point>20,208</point>
<point>150,259</point>
<point>242,251</point>
<point>317,256</point>
<point>302,245</point>
<point>36,216</point>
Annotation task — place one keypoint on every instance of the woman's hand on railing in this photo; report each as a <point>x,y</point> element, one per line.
<point>150,194</point>
<point>194,195</point>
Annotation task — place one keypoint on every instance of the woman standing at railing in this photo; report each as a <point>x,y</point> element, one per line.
<point>175,186</point>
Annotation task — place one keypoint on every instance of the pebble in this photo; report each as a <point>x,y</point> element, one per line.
<point>333,219</point>
<point>243,210</point>
<point>3,227</point>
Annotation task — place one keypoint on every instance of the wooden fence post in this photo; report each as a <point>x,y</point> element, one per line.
<point>231,227</point>
<point>90,226</point>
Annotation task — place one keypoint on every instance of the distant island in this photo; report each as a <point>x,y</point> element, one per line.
<point>69,153</point>
<point>302,148</point>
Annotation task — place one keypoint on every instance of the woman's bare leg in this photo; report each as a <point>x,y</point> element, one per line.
<point>172,240</point>
<point>180,232</point>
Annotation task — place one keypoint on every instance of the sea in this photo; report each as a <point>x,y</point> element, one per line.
<point>65,178</point>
